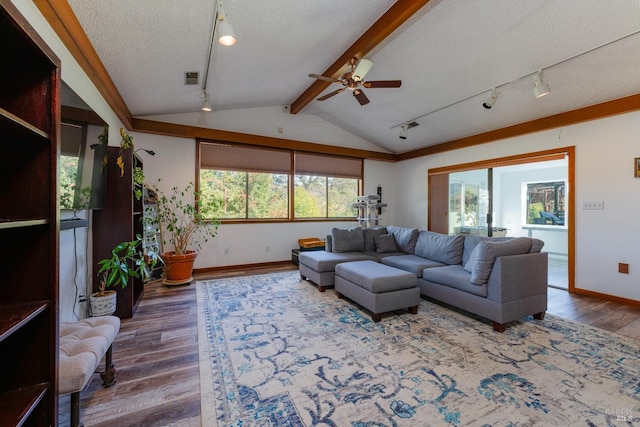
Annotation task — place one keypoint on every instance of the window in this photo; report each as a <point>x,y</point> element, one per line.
<point>325,187</point>
<point>545,203</point>
<point>253,183</point>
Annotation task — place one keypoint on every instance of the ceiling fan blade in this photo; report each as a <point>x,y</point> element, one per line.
<point>330,94</point>
<point>326,79</point>
<point>361,97</point>
<point>383,83</point>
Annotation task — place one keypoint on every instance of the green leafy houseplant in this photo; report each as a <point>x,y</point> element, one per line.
<point>127,261</point>
<point>181,218</point>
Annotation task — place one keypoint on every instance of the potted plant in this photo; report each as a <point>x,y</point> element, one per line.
<point>183,224</point>
<point>127,261</point>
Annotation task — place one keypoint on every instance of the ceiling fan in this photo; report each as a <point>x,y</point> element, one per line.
<point>353,80</point>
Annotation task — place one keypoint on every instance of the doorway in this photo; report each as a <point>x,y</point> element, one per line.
<point>525,195</point>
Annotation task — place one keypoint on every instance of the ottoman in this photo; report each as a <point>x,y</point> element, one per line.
<point>377,287</point>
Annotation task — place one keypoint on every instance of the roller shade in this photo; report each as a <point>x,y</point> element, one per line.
<point>242,158</point>
<point>316,164</point>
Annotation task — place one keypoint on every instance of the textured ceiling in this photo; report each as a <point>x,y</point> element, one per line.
<point>449,56</point>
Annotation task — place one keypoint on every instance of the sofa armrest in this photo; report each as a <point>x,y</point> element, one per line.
<point>516,277</point>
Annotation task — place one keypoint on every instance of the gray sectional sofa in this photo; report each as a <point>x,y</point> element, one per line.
<point>501,278</point>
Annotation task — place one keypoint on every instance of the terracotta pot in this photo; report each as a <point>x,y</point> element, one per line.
<point>178,268</point>
<point>103,305</point>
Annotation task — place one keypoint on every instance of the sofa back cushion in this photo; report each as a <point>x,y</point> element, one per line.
<point>386,243</point>
<point>370,236</point>
<point>405,238</point>
<point>440,247</point>
<point>471,241</point>
<point>480,262</point>
<point>347,240</point>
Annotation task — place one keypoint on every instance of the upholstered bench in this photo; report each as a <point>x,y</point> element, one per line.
<point>377,287</point>
<point>83,344</point>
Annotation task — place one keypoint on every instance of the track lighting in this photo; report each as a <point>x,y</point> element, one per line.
<point>488,103</point>
<point>205,102</point>
<point>540,88</point>
<point>226,35</point>
<point>403,132</point>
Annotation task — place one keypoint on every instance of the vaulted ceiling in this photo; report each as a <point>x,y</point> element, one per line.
<point>449,54</point>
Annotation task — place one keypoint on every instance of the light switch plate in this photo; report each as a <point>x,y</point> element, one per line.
<point>594,206</point>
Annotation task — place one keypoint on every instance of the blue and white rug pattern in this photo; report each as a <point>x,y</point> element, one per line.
<point>276,352</point>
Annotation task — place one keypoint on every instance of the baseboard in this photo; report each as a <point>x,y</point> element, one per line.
<point>607,297</point>
<point>242,267</point>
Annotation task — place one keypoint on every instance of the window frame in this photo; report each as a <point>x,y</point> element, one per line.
<point>291,182</point>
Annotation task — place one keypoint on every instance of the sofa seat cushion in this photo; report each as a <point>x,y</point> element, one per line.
<point>375,277</point>
<point>454,276</point>
<point>411,263</point>
<point>322,261</point>
<point>440,247</point>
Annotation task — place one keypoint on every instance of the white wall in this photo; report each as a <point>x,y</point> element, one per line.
<point>605,150</point>
<point>238,244</point>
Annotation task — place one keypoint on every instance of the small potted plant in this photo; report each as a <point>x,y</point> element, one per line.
<point>183,223</point>
<point>127,261</point>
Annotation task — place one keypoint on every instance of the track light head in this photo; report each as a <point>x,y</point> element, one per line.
<point>489,102</point>
<point>206,106</point>
<point>226,34</point>
<point>403,132</point>
<point>540,88</point>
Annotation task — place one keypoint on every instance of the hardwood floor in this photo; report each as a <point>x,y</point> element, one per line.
<point>156,355</point>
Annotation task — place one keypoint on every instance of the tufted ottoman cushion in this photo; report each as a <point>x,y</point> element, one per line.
<point>82,345</point>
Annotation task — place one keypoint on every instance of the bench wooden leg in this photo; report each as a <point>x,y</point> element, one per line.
<point>75,410</point>
<point>413,310</point>
<point>499,327</point>
<point>109,375</point>
<point>376,317</point>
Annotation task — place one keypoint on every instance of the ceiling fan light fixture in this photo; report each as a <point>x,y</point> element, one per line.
<point>540,88</point>
<point>363,67</point>
<point>206,106</point>
<point>226,34</point>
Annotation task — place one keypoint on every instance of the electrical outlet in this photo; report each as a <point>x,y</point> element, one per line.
<point>593,206</point>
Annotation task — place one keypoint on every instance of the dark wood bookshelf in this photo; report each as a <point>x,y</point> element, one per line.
<point>29,224</point>
<point>120,221</point>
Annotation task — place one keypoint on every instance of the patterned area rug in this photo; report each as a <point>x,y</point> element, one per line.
<point>276,352</point>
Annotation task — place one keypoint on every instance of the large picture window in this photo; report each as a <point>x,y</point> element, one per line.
<point>255,183</point>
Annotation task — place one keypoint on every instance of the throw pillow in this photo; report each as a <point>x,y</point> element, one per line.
<point>347,240</point>
<point>369,237</point>
<point>440,247</point>
<point>488,251</point>
<point>405,238</point>
<point>386,243</point>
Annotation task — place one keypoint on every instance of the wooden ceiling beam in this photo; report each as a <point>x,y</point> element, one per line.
<point>65,23</point>
<point>397,14</point>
